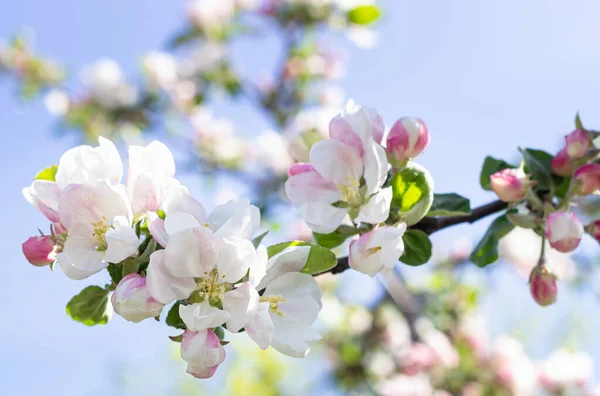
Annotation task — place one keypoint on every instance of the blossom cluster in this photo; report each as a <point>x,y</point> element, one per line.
<point>346,183</point>
<point>160,246</point>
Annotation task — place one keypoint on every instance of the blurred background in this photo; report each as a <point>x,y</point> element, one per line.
<point>239,90</point>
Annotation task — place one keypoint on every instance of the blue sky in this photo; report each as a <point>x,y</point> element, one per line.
<point>485,76</point>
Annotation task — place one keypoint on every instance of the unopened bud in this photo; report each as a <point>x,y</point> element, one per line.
<point>408,138</point>
<point>594,230</point>
<point>510,184</point>
<point>578,143</point>
<point>564,231</point>
<point>39,250</point>
<point>586,179</point>
<point>561,164</point>
<point>542,284</point>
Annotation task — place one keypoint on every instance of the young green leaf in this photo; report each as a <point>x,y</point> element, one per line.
<point>417,248</point>
<point>116,272</point>
<point>256,241</point>
<point>90,307</point>
<point>412,192</point>
<point>364,14</point>
<point>490,166</point>
<point>336,238</point>
<point>486,251</point>
<point>578,123</point>
<point>449,205</point>
<point>319,259</point>
<point>47,174</point>
<point>173,318</point>
<point>538,164</point>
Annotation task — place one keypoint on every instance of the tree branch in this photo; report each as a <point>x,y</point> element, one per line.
<point>429,225</point>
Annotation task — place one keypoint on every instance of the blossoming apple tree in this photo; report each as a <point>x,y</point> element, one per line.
<point>354,183</point>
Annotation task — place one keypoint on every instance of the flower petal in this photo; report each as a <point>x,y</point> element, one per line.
<point>191,252</point>
<point>376,167</point>
<point>336,161</point>
<point>162,285</point>
<point>377,210</point>
<point>322,217</point>
<point>202,316</point>
<point>236,218</point>
<point>121,240</point>
<point>291,259</point>
<point>261,328</point>
<point>235,256</point>
<point>242,304</point>
<point>311,187</point>
<point>180,221</point>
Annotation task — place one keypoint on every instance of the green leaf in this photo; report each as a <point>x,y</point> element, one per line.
<point>490,166</point>
<point>417,248</point>
<point>183,37</point>
<point>486,251</point>
<point>364,14</point>
<point>219,332</point>
<point>256,241</point>
<point>173,318</point>
<point>47,174</point>
<point>449,205</point>
<point>412,189</point>
<point>319,259</point>
<point>177,338</point>
<point>578,123</point>
<point>538,164</point>
<point>336,238</point>
<point>116,272</point>
<point>90,306</point>
<point>562,185</point>
<point>130,266</point>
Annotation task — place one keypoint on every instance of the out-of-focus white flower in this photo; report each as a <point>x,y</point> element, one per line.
<point>57,102</point>
<point>307,128</point>
<point>512,366</point>
<point>360,321</point>
<point>380,364</point>
<point>106,83</point>
<point>362,36</point>
<point>405,385</point>
<point>521,247</point>
<point>211,14</point>
<point>161,69</point>
<point>206,58</point>
<point>473,329</point>
<point>448,357</point>
<point>271,150</point>
<point>566,369</point>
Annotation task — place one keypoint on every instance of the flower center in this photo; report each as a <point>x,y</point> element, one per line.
<point>274,303</point>
<point>350,192</point>
<point>99,233</point>
<point>210,286</point>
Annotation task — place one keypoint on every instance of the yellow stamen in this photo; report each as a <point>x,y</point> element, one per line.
<point>350,192</point>
<point>274,303</point>
<point>210,287</point>
<point>100,229</point>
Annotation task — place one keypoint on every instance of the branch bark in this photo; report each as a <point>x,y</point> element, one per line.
<point>429,225</point>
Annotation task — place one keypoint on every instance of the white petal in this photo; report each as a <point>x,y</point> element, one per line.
<point>376,167</point>
<point>156,226</point>
<point>235,218</point>
<point>202,316</point>
<point>121,240</point>
<point>322,217</point>
<point>336,161</point>
<point>296,285</point>
<point>155,159</point>
<point>311,187</point>
<point>291,259</point>
<point>44,195</point>
<point>234,259</point>
<point>191,252</point>
<point>179,221</point>
<point>179,199</point>
<point>261,328</point>
<point>145,193</point>
<point>162,285</point>
<point>79,258</point>
<point>242,304</point>
<point>258,265</point>
<point>377,210</point>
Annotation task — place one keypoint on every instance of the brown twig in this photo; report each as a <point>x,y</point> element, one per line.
<point>429,225</point>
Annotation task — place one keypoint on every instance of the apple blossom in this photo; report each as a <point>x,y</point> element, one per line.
<point>332,186</point>
<point>202,351</point>
<point>39,250</point>
<point>377,250</point>
<point>542,284</point>
<point>566,369</point>
<point>132,300</point>
<point>288,306</point>
<point>98,220</point>
<point>564,231</point>
<point>210,14</point>
<point>577,144</point>
<point>408,138</point>
<point>561,164</point>
<point>510,185</point>
<point>106,83</point>
<point>586,179</point>
<point>161,69</point>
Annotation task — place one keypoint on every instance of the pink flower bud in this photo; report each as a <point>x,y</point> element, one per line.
<point>594,230</point>
<point>510,184</point>
<point>133,301</point>
<point>377,250</point>
<point>39,250</point>
<point>586,179</point>
<point>564,231</point>
<point>202,351</point>
<point>407,139</point>
<point>578,143</point>
<point>561,164</point>
<point>542,284</point>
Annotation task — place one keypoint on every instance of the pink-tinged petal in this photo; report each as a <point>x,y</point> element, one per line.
<point>202,316</point>
<point>261,328</point>
<point>542,284</point>
<point>376,167</point>
<point>562,165</point>
<point>192,252</point>
<point>510,185</point>
<point>365,122</point>
<point>564,231</point>
<point>587,179</point>
<point>311,187</point>
<point>340,129</point>
<point>145,194</point>
<point>242,305</point>
<point>577,144</point>
<point>132,300</point>
<point>336,161</point>
<point>39,250</point>
<point>407,138</point>
<point>201,373</point>
<point>202,351</point>
<point>162,285</point>
<point>44,195</point>
<point>299,168</point>
<point>156,226</point>
<point>322,217</point>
